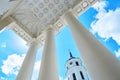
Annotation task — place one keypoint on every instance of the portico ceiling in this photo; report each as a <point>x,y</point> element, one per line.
<point>34,16</point>
<point>37,15</point>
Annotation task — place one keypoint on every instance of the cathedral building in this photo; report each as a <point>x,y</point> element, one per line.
<point>75,69</point>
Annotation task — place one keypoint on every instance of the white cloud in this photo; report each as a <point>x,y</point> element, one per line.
<point>2,78</point>
<point>3,45</point>
<point>107,24</point>
<point>117,53</point>
<point>99,6</point>
<point>61,78</point>
<point>12,64</point>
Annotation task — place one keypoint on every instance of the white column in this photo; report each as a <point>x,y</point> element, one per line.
<point>49,68</point>
<point>26,70</point>
<point>101,64</point>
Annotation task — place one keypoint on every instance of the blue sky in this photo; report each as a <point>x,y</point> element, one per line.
<point>102,20</point>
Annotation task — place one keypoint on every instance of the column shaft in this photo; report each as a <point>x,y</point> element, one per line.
<point>101,64</point>
<point>49,68</point>
<point>26,70</point>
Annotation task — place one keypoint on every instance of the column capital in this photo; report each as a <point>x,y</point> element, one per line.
<point>51,28</point>
<point>35,41</point>
<point>69,11</point>
<point>67,14</point>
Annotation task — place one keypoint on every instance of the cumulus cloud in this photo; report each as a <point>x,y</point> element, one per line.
<point>117,53</point>
<point>61,78</point>
<point>3,45</point>
<point>107,23</point>
<point>99,6</point>
<point>2,78</point>
<point>12,64</point>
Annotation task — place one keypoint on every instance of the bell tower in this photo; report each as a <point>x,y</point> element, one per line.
<point>75,69</point>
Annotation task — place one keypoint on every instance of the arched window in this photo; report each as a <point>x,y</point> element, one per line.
<point>77,63</point>
<point>74,77</point>
<point>71,63</point>
<point>67,67</point>
<point>82,75</point>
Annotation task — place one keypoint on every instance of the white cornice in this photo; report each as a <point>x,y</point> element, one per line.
<point>24,32</point>
<point>11,11</point>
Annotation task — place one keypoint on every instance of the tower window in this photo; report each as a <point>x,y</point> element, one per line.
<point>67,67</point>
<point>70,63</point>
<point>82,75</point>
<point>74,77</point>
<point>77,63</point>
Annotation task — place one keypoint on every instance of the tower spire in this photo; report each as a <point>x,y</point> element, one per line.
<point>71,56</point>
<point>76,69</point>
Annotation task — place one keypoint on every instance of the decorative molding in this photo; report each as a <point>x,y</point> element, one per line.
<point>59,25</point>
<point>24,35</point>
<point>83,6</point>
<point>5,22</point>
<point>34,17</point>
<point>13,10</point>
<point>41,38</point>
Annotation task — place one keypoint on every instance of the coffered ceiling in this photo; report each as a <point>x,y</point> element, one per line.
<point>37,15</point>
<point>30,18</point>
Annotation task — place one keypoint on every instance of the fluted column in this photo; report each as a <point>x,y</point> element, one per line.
<point>100,62</point>
<point>49,68</point>
<point>26,70</point>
